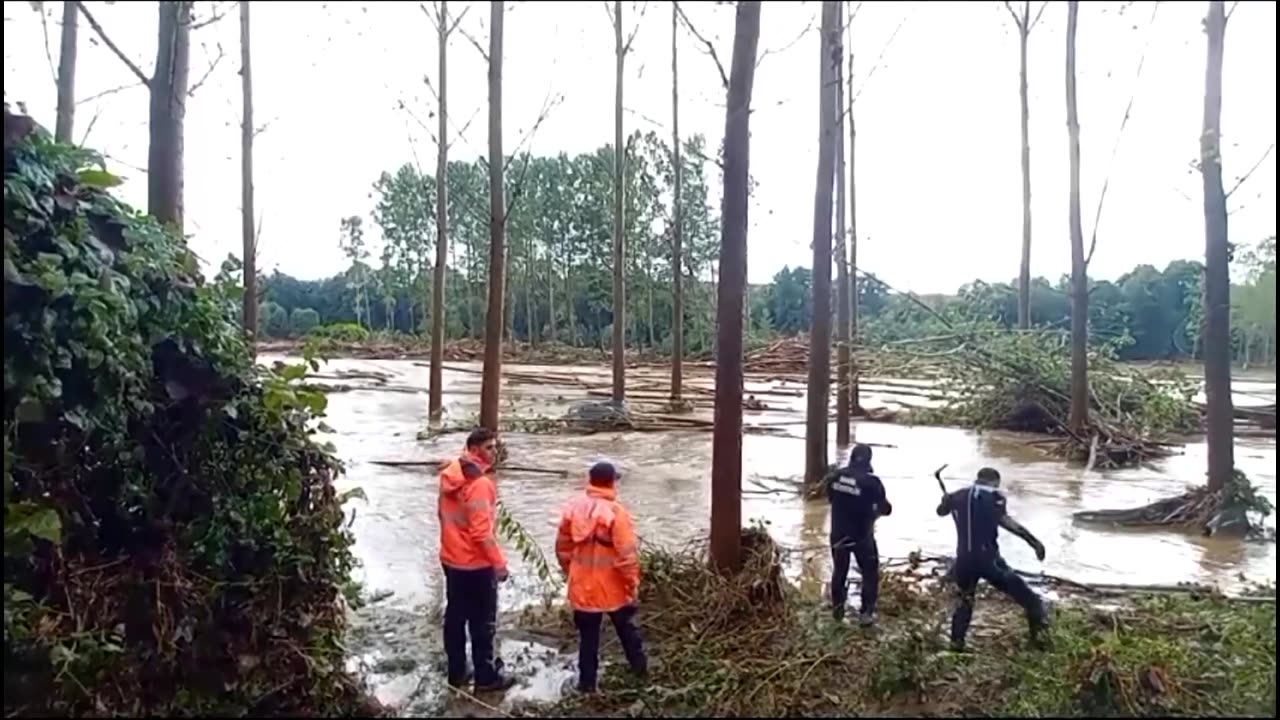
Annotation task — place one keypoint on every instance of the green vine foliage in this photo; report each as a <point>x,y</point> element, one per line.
<point>530,551</point>
<point>173,541</point>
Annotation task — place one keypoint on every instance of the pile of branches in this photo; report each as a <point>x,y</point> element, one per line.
<point>173,541</point>
<point>1225,510</point>
<point>788,355</point>
<point>1021,381</point>
<point>718,650</point>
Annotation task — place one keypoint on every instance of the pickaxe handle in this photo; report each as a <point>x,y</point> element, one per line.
<point>937,474</point>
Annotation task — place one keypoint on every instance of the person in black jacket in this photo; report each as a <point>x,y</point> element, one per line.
<point>857,499</point>
<point>979,512</point>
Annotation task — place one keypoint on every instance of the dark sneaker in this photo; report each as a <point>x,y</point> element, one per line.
<point>867,619</point>
<point>958,647</point>
<point>837,612</point>
<point>641,672</point>
<point>503,682</point>
<point>585,689</point>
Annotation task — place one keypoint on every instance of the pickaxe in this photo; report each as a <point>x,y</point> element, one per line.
<point>937,474</point>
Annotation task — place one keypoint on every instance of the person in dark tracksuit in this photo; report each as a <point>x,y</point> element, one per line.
<point>979,512</point>
<point>857,499</point>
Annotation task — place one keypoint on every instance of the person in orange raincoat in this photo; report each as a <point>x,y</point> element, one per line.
<point>596,547</point>
<point>473,562</point>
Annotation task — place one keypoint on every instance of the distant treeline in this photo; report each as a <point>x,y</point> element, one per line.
<point>559,270</point>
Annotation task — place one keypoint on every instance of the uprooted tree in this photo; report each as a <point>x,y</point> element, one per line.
<point>1225,502</point>
<point>173,541</point>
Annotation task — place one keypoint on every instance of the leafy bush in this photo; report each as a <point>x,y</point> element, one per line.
<point>273,320</point>
<point>302,320</point>
<point>173,541</point>
<point>341,332</point>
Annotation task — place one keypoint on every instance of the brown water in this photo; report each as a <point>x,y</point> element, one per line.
<point>666,486</point>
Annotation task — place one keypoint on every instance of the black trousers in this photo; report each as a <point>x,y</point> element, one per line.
<point>867,556</point>
<point>588,624</point>
<point>471,607</point>
<point>967,571</point>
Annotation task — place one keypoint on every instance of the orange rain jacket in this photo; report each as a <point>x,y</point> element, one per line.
<point>468,516</point>
<point>596,547</point>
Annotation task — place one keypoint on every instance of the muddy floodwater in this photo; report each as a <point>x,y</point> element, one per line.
<point>666,484</point>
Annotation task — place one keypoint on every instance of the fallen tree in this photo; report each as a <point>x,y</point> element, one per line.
<point>1210,512</point>
<point>1020,381</point>
<point>173,541</point>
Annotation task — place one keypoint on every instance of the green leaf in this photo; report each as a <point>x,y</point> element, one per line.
<point>46,525</point>
<point>30,410</point>
<point>293,372</point>
<point>99,179</point>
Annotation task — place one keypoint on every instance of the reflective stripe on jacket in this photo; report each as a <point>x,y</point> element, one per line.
<point>468,516</point>
<point>596,547</point>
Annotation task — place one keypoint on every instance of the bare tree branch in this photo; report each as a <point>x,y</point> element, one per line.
<point>1115,148</point>
<point>436,20</point>
<point>879,59</point>
<point>548,104</point>
<point>646,118</point>
<point>1241,180</point>
<point>1232,9</point>
<point>435,95</point>
<point>48,49</point>
<point>854,13</point>
<point>711,49</point>
<point>1017,19</point>
<point>475,43</point>
<point>84,139</point>
<point>264,127</point>
<point>213,64</point>
<point>110,91</point>
<point>1039,12</point>
<point>219,12</point>
<point>626,47</point>
<point>97,28</point>
<point>454,26</point>
<point>774,51</point>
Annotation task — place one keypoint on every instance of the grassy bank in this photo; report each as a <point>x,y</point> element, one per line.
<point>724,647</point>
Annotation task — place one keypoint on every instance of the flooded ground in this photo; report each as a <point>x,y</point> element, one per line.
<point>666,485</point>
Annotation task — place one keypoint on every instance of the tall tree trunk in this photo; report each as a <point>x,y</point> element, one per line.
<point>842,267</point>
<point>855,406</point>
<point>248,236</point>
<point>1217,282</point>
<point>67,74</point>
<point>569,296</point>
<point>551,293</point>
<point>435,400</point>
<point>168,112</point>
<point>1079,418</point>
<point>677,222</point>
<point>530,314</point>
<point>726,453</point>
<point>619,198</point>
<point>1024,272</point>
<point>815,462</point>
<point>492,381</point>
<point>648,277</point>
<point>469,289</point>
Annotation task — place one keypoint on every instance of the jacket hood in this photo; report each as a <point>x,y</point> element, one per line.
<point>470,468</point>
<point>591,511</point>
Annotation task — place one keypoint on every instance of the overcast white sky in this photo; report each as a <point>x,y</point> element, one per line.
<point>938,141</point>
